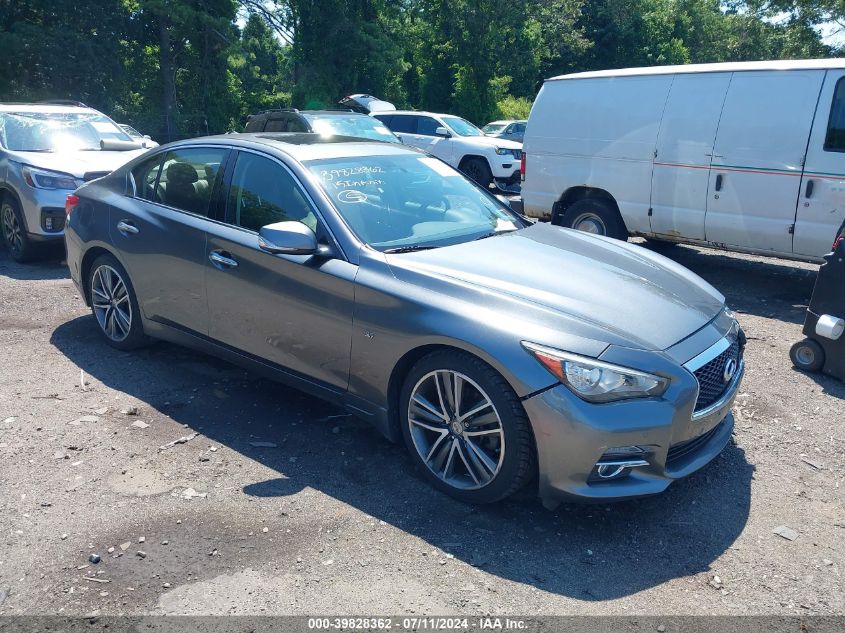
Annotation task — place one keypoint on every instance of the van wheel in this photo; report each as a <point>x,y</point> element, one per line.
<point>596,216</point>
<point>478,170</point>
<point>807,355</point>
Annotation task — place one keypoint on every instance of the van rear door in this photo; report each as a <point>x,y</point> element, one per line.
<point>821,205</point>
<point>758,158</point>
<point>684,150</point>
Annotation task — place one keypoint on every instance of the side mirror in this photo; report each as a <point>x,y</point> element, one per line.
<point>287,238</point>
<point>442,131</point>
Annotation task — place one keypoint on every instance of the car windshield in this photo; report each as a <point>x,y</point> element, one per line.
<point>492,128</point>
<point>462,127</point>
<point>57,131</point>
<point>359,125</point>
<point>404,203</point>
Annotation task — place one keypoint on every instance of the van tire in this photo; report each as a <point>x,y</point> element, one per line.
<point>597,216</point>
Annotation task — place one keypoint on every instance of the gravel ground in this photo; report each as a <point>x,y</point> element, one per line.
<point>206,490</point>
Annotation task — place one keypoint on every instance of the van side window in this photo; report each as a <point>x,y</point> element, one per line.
<point>834,140</point>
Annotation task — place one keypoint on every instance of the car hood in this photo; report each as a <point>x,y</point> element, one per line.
<point>638,298</point>
<point>77,163</point>
<point>493,141</point>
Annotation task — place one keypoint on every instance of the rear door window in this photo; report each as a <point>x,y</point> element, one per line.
<point>188,178</point>
<point>403,124</point>
<point>277,124</point>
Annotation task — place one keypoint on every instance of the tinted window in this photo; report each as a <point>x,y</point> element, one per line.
<point>255,123</point>
<point>404,124</point>
<point>187,178</point>
<point>834,140</point>
<point>519,128</point>
<point>295,125</point>
<point>426,125</point>
<point>145,176</point>
<point>276,125</point>
<point>263,192</point>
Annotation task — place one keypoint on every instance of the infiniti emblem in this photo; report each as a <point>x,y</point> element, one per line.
<point>730,370</point>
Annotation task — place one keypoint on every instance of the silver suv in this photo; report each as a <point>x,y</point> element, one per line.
<point>47,151</point>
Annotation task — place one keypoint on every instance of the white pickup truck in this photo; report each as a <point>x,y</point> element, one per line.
<point>487,160</point>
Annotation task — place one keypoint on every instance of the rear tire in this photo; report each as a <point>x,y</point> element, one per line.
<point>807,355</point>
<point>114,304</point>
<point>13,228</point>
<point>478,451</point>
<point>596,216</point>
<point>478,170</point>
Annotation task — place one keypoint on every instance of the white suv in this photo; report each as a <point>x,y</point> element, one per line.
<point>47,151</point>
<point>458,142</point>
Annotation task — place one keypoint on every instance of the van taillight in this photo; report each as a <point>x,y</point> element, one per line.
<point>522,167</point>
<point>70,204</point>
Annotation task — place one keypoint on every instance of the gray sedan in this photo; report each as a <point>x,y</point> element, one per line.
<point>504,354</point>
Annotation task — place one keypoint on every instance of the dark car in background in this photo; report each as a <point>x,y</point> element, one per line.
<point>323,122</point>
<point>381,279</point>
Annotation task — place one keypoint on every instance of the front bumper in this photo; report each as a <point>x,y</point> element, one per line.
<point>573,435</point>
<point>44,212</point>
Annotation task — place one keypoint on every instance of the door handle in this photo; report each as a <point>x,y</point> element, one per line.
<point>808,192</point>
<point>718,182</point>
<point>221,260</point>
<point>124,226</point>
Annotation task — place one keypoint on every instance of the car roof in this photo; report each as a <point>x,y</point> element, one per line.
<point>46,109</point>
<point>421,112</point>
<point>310,146</point>
<point>785,64</point>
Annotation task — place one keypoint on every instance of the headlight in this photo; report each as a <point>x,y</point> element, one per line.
<point>43,179</point>
<point>506,151</point>
<point>595,381</point>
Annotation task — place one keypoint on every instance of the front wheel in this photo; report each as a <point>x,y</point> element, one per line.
<point>114,304</point>
<point>478,170</point>
<point>807,355</point>
<point>597,216</point>
<point>17,242</point>
<point>465,428</point>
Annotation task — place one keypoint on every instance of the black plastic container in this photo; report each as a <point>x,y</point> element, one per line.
<point>824,348</point>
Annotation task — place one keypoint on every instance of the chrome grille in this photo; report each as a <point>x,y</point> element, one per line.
<point>711,382</point>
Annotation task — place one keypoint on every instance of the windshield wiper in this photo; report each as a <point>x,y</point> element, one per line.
<point>409,249</point>
<point>493,234</point>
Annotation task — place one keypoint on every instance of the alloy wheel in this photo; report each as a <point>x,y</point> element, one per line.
<point>12,229</point>
<point>110,301</point>
<point>456,429</point>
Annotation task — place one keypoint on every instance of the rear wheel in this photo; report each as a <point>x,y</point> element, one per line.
<point>465,428</point>
<point>114,304</point>
<point>478,170</point>
<point>17,242</point>
<point>807,355</point>
<point>596,216</point>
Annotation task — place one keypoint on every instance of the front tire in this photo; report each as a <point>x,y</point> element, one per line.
<point>596,216</point>
<point>114,304</point>
<point>465,428</point>
<point>807,355</point>
<point>12,226</point>
<point>478,170</point>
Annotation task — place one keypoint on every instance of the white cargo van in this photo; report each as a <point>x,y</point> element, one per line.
<point>744,156</point>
